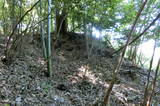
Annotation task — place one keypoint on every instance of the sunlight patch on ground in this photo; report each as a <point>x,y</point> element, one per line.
<point>120,96</point>
<point>120,91</point>
<point>1,57</point>
<point>127,88</point>
<point>62,58</point>
<point>85,72</point>
<point>41,61</point>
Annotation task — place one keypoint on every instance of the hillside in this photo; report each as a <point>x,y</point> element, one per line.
<point>76,80</point>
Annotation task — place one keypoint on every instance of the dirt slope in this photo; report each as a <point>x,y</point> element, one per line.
<point>77,81</point>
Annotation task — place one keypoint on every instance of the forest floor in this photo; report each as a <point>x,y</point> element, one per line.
<point>76,80</point>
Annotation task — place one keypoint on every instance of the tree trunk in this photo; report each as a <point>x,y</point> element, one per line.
<point>61,22</point>
<point>61,27</point>
<point>136,38</point>
<point>154,85</point>
<point>13,14</point>
<point>130,53</point>
<point>146,93</point>
<point>149,101</point>
<point>86,34</point>
<point>73,25</point>
<point>20,24</point>
<point>134,54</point>
<point>121,58</point>
<point>42,33</point>
<point>7,48</point>
<point>49,64</point>
<point>4,19</point>
<point>106,98</point>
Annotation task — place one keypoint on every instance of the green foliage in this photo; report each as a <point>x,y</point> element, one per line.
<point>99,13</point>
<point>114,15</point>
<point>103,14</point>
<point>46,86</point>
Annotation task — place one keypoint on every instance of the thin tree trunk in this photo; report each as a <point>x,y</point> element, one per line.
<point>136,38</point>
<point>64,20</point>
<point>61,25</point>
<point>13,14</point>
<point>49,64</point>
<point>146,93</point>
<point>4,19</point>
<point>100,42</point>
<point>20,24</point>
<point>130,52</point>
<point>57,21</point>
<point>139,58</point>
<point>85,33</point>
<point>91,40</point>
<point>42,33</point>
<point>58,34</point>
<point>149,101</point>
<point>73,25</point>
<point>7,52</point>
<point>61,22</point>
<point>134,55</point>
<point>106,99</point>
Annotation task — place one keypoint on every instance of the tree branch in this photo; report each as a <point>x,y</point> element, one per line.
<point>136,38</point>
<point>121,58</point>
<point>11,35</point>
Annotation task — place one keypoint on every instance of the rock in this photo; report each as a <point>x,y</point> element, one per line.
<point>31,100</point>
<point>59,99</point>
<point>52,105</point>
<point>62,87</point>
<point>38,88</point>
<point>18,100</point>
